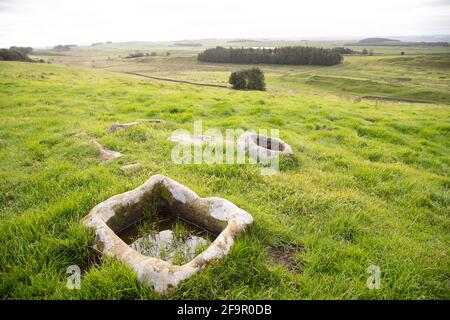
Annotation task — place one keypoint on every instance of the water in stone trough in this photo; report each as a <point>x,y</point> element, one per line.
<point>168,238</point>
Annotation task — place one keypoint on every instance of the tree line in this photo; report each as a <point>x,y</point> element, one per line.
<point>65,47</point>
<point>139,54</point>
<point>297,55</point>
<point>18,54</point>
<point>13,55</point>
<point>22,50</point>
<point>343,50</point>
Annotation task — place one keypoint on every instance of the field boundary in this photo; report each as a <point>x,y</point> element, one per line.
<point>178,81</point>
<point>396,99</point>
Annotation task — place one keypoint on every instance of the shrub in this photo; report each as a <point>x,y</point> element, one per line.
<point>23,50</point>
<point>256,79</point>
<point>251,79</point>
<point>238,81</point>
<point>61,47</point>
<point>12,55</point>
<point>135,55</point>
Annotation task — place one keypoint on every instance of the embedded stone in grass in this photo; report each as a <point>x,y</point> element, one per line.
<point>264,148</point>
<point>116,126</point>
<point>104,153</point>
<point>153,121</point>
<point>78,135</point>
<point>159,197</point>
<point>191,139</point>
<point>132,167</point>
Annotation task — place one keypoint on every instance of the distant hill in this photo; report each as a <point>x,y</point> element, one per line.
<point>376,40</point>
<point>187,44</point>
<point>242,40</point>
<point>396,43</point>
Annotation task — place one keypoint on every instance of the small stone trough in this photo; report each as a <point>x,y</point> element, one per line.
<point>263,148</point>
<point>218,216</point>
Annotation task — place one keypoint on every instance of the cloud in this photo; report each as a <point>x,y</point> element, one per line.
<point>438,3</point>
<point>5,5</point>
<point>49,22</point>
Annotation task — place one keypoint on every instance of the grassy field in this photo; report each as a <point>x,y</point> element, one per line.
<point>423,73</point>
<point>368,185</point>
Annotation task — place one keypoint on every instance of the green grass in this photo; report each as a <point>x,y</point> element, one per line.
<point>422,77</point>
<point>423,73</point>
<point>369,185</point>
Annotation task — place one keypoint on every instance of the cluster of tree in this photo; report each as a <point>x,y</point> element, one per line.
<point>367,52</point>
<point>251,79</point>
<point>136,55</point>
<point>433,44</point>
<point>23,50</point>
<point>283,55</point>
<point>96,44</point>
<point>139,54</point>
<point>61,47</point>
<point>343,50</point>
<point>13,55</point>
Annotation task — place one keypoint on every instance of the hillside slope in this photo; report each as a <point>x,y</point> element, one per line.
<point>369,186</point>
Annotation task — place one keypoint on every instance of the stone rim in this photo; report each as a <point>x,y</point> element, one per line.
<point>248,142</point>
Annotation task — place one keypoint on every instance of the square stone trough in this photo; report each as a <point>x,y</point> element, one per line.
<point>217,215</point>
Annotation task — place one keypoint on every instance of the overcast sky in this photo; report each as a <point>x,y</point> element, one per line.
<point>51,22</point>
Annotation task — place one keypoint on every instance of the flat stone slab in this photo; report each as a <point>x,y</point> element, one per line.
<point>191,139</point>
<point>217,215</point>
<point>118,126</point>
<point>78,135</point>
<point>132,167</point>
<point>104,153</point>
<point>152,121</point>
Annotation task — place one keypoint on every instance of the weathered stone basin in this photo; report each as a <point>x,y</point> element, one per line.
<point>263,148</point>
<point>217,215</point>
